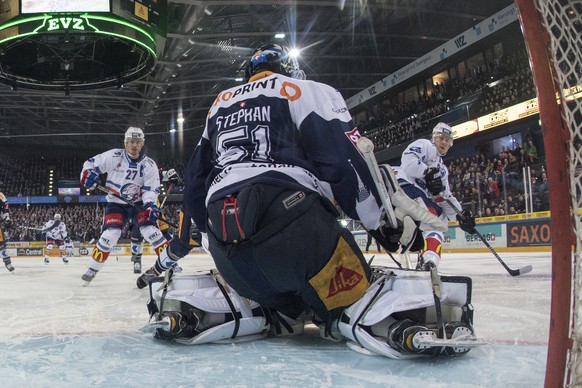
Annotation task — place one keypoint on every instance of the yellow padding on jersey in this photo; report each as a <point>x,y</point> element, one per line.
<point>343,280</point>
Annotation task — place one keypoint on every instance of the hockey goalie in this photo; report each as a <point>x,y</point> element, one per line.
<point>404,314</point>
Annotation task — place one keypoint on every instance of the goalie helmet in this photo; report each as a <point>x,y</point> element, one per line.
<point>273,57</point>
<point>57,216</point>
<point>134,133</point>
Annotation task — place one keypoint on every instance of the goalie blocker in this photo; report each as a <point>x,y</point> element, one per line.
<point>396,318</point>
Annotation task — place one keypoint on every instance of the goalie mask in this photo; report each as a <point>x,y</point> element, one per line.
<point>273,57</point>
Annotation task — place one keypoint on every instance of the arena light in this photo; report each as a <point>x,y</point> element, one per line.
<point>280,35</point>
<point>294,53</point>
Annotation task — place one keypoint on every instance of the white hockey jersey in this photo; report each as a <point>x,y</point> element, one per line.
<point>418,156</point>
<point>134,180</point>
<point>55,229</point>
<point>287,132</point>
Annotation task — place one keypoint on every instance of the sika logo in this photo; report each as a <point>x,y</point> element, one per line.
<point>344,280</point>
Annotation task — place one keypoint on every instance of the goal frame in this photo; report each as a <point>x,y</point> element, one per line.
<point>556,143</point>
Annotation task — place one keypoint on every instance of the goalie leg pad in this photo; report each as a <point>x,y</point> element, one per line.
<point>398,295</point>
<point>197,311</point>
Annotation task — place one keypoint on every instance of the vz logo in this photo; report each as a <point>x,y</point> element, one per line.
<point>460,41</point>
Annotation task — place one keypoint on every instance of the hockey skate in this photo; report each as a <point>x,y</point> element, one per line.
<point>88,276</point>
<point>145,279</point>
<point>137,267</point>
<point>46,260</point>
<point>65,260</point>
<point>175,324</point>
<point>410,337</point>
<point>8,264</point>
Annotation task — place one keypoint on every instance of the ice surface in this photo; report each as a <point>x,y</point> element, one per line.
<point>56,333</point>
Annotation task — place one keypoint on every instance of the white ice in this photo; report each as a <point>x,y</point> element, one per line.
<point>56,333</point>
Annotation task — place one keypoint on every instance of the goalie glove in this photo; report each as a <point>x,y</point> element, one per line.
<point>89,179</point>
<point>433,181</point>
<point>466,221</point>
<point>407,235</point>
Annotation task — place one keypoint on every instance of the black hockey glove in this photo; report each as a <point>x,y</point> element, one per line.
<point>466,221</point>
<point>432,178</point>
<point>406,235</point>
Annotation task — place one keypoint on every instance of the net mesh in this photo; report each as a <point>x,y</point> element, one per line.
<point>562,19</point>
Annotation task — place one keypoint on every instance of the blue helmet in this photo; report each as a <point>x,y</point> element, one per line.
<point>273,57</point>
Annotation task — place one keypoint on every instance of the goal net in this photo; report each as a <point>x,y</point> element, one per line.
<point>553,33</point>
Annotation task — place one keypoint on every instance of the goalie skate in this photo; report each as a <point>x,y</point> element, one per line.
<point>411,337</point>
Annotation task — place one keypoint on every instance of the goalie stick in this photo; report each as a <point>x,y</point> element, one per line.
<point>512,272</point>
<point>366,147</point>
<point>127,201</point>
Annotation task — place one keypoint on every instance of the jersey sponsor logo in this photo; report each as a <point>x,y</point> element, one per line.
<point>289,90</point>
<point>113,219</point>
<point>339,110</point>
<point>344,280</point>
<point>414,149</point>
<point>354,136</point>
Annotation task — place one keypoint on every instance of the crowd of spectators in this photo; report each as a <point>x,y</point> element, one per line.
<point>400,122</point>
<point>494,186</point>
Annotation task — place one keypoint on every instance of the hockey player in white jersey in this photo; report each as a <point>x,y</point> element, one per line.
<point>424,176</point>
<point>259,185</point>
<point>133,176</point>
<point>5,222</point>
<point>56,233</point>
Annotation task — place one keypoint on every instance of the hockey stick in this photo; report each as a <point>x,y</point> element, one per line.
<point>512,272</point>
<point>167,195</point>
<point>366,147</point>
<point>127,201</point>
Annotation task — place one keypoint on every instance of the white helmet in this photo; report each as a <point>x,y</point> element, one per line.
<point>445,132</point>
<point>443,128</point>
<point>134,133</point>
<point>57,216</point>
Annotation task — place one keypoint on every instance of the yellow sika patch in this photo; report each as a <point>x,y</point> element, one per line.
<point>343,280</point>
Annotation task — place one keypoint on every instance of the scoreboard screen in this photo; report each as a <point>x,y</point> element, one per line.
<point>43,6</point>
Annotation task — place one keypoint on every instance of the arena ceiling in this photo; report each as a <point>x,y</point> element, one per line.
<point>349,44</point>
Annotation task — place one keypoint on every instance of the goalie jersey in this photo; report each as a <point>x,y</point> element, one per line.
<point>286,132</point>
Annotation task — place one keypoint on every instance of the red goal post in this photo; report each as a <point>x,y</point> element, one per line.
<point>552,33</point>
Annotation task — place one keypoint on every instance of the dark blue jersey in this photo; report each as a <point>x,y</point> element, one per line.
<point>286,132</point>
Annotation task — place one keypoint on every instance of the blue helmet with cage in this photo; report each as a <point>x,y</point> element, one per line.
<point>273,57</point>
